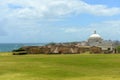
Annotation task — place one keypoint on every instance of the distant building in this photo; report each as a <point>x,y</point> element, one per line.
<point>96,40</point>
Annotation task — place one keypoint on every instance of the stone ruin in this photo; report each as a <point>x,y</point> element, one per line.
<point>57,49</point>
<point>94,44</point>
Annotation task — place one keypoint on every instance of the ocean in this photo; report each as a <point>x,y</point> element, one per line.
<point>8,47</point>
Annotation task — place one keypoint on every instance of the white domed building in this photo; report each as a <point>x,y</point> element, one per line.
<point>96,40</point>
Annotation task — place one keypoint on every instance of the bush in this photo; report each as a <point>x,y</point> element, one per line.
<point>118,49</point>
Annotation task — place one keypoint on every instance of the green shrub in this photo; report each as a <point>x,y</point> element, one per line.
<point>118,49</point>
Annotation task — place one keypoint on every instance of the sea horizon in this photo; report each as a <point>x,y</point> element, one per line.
<point>8,47</point>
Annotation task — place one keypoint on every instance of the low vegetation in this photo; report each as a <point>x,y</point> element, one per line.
<point>118,49</point>
<point>60,67</point>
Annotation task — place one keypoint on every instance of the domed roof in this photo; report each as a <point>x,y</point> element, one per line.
<point>95,35</point>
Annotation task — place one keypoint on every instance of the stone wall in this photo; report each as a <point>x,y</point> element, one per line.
<point>58,49</point>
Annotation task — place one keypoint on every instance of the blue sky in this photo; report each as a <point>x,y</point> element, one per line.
<point>37,21</point>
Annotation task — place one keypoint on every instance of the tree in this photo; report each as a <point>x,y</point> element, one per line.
<point>118,49</point>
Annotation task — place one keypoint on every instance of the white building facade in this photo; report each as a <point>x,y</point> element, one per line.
<point>96,40</point>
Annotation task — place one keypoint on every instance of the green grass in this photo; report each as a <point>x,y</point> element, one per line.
<point>60,67</point>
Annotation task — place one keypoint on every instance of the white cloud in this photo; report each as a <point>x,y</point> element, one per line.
<point>52,8</point>
<point>107,29</point>
<point>70,30</point>
<point>102,10</point>
<point>111,27</point>
<point>37,19</point>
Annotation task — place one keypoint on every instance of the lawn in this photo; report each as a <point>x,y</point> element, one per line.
<point>60,67</point>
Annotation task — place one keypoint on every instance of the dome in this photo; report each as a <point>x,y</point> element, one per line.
<point>95,38</point>
<point>95,35</point>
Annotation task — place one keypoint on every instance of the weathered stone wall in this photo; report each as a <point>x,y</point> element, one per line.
<point>95,49</point>
<point>59,49</point>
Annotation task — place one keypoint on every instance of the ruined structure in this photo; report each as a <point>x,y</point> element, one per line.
<point>95,44</point>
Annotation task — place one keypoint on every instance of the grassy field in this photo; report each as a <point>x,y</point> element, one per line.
<point>60,67</point>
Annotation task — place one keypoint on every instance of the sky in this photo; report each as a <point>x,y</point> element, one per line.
<point>39,21</point>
